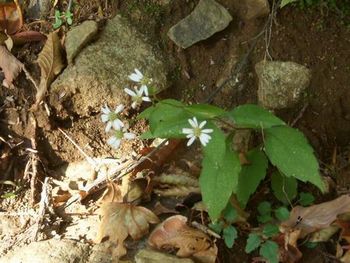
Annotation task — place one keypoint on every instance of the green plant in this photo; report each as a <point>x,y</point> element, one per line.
<point>60,17</point>
<point>222,173</point>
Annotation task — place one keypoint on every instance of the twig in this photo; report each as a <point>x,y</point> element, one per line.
<point>300,115</point>
<point>43,205</point>
<point>205,229</point>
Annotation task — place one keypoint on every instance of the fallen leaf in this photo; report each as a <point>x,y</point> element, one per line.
<point>316,217</point>
<point>10,65</point>
<point>121,220</point>
<point>174,233</point>
<point>11,19</point>
<point>50,61</point>
<point>21,38</point>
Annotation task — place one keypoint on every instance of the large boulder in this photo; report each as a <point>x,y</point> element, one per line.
<point>101,70</point>
<point>281,84</point>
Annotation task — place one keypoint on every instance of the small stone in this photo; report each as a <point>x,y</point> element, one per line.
<point>281,84</point>
<point>38,9</point>
<point>206,19</point>
<point>250,9</point>
<point>151,256</point>
<point>79,37</point>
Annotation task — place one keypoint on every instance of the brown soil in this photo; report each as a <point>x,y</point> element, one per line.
<point>309,37</point>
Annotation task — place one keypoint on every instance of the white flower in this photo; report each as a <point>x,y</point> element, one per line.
<point>112,117</point>
<point>118,136</point>
<point>138,95</point>
<point>197,131</point>
<point>137,76</point>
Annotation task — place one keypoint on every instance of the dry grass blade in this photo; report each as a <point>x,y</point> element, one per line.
<point>51,63</point>
<point>10,65</point>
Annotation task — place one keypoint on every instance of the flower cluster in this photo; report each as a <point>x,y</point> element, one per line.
<point>114,124</point>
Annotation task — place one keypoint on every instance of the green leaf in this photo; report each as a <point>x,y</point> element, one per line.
<point>269,250</point>
<point>306,199</point>
<point>286,2</point>
<point>230,213</point>
<point>230,234</point>
<point>219,176</point>
<point>204,111</point>
<point>290,152</point>
<point>270,230</point>
<point>254,116</point>
<point>58,19</point>
<point>251,175</point>
<point>253,242</point>
<point>282,213</point>
<point>264,218</point>
<point>69,17</point>
<point>217,226</point>
<point>264,208</point>
<point>284,188</point>
<point>147,135</point>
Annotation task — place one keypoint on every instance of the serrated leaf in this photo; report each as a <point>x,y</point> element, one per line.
<point>230,234</point>
<point>270,230</point>
<point>51,63</point>
<point>264,208</point>
<point>251,175</point>
<point>254,116</point>
<point>219,176</point>
<point>284,188</point>
<point>205,111</point>
<point>306,199</point>
<point>253,242</point>
<point>282,213</point>
<point>230,213</point>
<point>269,250</point>
<point>290,152</point>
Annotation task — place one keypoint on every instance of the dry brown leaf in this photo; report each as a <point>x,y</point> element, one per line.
<point>10,65</point>
<point>174,233</point>
<point>315,217</point>
<point>120,220</point>
<point>50,61</point>
<point>11,19</point>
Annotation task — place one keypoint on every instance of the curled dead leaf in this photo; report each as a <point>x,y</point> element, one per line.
<point>315,217</point>
<point>11,18</point>
<point>10,65</point>
<point>174,233</point>
<point>121,220</point>
<point>50,61</point>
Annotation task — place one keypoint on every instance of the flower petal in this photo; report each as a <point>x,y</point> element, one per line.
<point>145,90</point>
<point>130,92</point>
<point>192,123</point>
<point>207,131</point>
<point>129,135</point>
<point>117,124</point>
<point>119,108</point>
<point>138,72</point>
<point>204,138</point>
<point>134,105</point>
<point>108,126</point>
<point>106,110</point>
<point>187,131</point>
<point>135,77</point>
<point>146,99</point>
<point>114,142</point>
<point>104,117</point>
<point>201,125</point>
<point>190,141</point>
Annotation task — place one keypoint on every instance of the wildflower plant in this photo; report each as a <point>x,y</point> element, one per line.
<point>223,176</point>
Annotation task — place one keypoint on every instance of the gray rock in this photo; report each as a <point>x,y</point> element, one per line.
<point>78,37</point>
<point>151,256</point>
<point>250,9</point>
<point>38,8</point>
<point>206,19</point>
<point>49,251</point>
<point>281,83</point>
<point>101,70</point>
